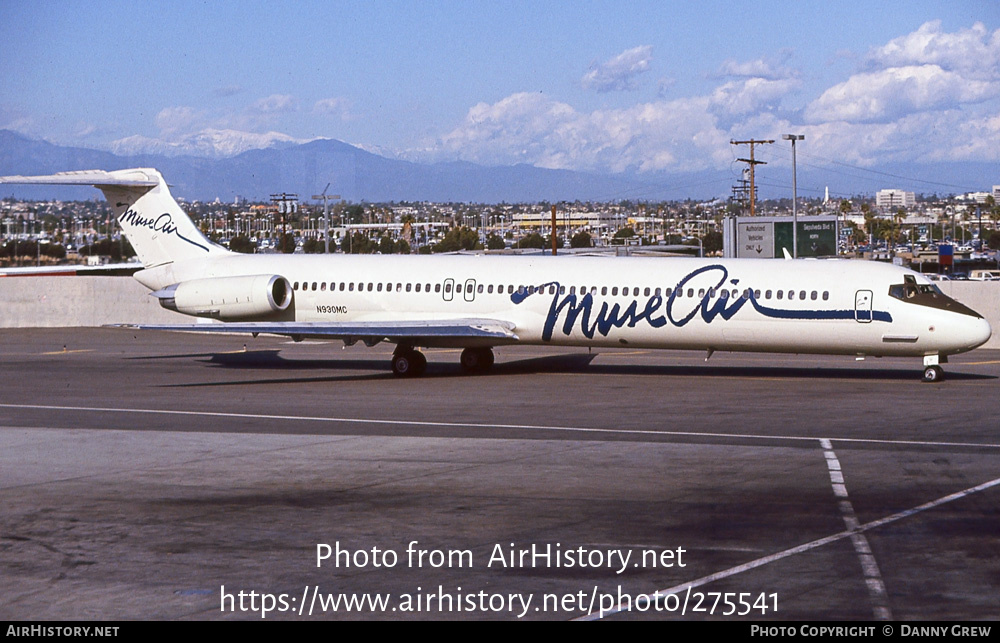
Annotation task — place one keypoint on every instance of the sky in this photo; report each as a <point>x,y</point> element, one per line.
<point>637,87</point>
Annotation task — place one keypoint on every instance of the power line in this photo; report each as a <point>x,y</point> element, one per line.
<point>889,174</point>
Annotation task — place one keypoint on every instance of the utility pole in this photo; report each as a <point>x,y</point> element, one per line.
<point>326,215</point>
<point>287,204</point>
<point>752,163</point>
<point>553,230</point>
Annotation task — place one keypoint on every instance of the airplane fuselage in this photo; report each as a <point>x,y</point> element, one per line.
<point>802,306</point>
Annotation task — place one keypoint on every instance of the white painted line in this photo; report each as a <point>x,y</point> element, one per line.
<point>869,566</point>
<point>766,560</point>
<point>483,425</point>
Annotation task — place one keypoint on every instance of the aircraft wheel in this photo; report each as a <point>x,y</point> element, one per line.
<point>402,365</point>
<point>933,374</point>
<point>476,360</point>
<point>408,363</point>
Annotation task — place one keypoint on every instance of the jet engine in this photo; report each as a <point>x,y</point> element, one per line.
<point>228,298</point>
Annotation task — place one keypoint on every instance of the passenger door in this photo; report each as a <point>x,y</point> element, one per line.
<point>863,306</point>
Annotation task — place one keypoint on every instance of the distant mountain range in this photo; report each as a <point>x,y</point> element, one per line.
<point>306,168</point>
<point>358,175</point>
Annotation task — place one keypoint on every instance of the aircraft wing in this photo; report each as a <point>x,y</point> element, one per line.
<point>442,332</point>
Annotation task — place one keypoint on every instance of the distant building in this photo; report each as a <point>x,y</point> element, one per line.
<point>996,193</point>
<point>976,197</point>
<point>892,199</point>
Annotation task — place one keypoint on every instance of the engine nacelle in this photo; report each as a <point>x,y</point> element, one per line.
<point>228,298</point>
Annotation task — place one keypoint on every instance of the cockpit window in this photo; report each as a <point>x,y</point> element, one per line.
<point>927,295</point>
<point>910,289</point>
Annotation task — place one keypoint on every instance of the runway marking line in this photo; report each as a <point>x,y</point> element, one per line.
<point>475,425</point>
<point>67,352</point>
<point>869,566</point>
<point>765,560</point>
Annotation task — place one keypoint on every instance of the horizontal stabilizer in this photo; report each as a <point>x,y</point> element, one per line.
<point>97,178</point>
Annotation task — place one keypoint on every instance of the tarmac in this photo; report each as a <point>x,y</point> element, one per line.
<point>149,475</point>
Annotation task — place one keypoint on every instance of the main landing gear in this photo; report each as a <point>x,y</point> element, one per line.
<point>409,362</point>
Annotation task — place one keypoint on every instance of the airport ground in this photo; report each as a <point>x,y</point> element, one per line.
<point>142,473</point>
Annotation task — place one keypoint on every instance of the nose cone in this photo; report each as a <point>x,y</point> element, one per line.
<point>969,333</point>
<point>980,333</point>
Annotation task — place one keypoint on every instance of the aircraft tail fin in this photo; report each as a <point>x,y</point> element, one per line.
<point>156,226</point>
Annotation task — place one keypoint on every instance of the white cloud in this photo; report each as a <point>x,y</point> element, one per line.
<point>946,136</point>
<point>275,104</point>
<point>886,95</point>
<point>694,133</point>
<point>752,95</point>
<point>683,134</point>
<point>619,73</point>
<point>926,70</point>
<point>975,139</point>
<point>185,130</point>
<point>337,107</point>
<point>974,52</point>
<point>918,98</point>
<point>766,68</point>
<point>530,128</point>
<point>176,121</point>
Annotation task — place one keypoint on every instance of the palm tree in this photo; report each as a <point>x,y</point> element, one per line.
<point>993,210</point>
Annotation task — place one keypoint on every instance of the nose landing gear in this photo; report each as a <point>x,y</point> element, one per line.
<point>933,374</point>
<point>932,369</point>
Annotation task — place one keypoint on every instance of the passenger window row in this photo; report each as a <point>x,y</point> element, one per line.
<point>626,291</point>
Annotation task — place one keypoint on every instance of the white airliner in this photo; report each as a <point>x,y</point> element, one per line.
<point>836,307</point>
